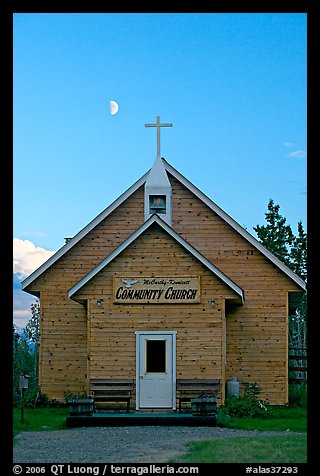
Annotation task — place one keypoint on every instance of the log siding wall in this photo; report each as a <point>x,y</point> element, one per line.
<point>256,333</point>
<point>199,326</point>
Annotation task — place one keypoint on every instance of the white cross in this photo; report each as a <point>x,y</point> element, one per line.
<point>158,125</point>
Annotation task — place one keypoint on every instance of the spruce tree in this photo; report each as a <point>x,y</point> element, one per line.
<point>276,236</point>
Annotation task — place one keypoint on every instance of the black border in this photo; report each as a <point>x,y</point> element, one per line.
<point>311,8</point>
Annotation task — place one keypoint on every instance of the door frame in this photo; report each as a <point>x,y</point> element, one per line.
<point>173,353</point>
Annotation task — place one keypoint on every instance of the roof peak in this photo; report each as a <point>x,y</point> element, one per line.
<point>157,177</point>
<point>155,219</point>
<point>140,182</point>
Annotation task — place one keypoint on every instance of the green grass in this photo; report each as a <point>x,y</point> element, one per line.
<point>260,449</point>
<point>281,419</point>
<point>39,419</point>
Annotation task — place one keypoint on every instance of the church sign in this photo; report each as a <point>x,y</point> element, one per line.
<point>163,290</point>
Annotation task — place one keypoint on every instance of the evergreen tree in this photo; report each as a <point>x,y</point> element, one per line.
<point>276,236</point>
<point>298,253</point>
<point>26,357</point>
<point>32,330</point>
<point>23,363</point>
<point>33,327</point>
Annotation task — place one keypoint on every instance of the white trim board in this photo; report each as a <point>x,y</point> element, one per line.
<point>245,234</point>
<point>178,238</point>
<point>82,233</point>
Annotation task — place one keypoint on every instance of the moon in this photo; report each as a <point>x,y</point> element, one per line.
<point>114,107</point>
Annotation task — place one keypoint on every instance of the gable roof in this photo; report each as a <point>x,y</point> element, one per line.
<point>82,233</point>
<point>156,219</point>
<point>244,233</point>
<point>213,206</point>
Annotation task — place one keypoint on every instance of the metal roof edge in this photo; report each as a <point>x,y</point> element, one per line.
<point>84,231</point>
<point>109,258</point>
<point>244,233</point>
<point>204,198</point>
<point>171,232</point>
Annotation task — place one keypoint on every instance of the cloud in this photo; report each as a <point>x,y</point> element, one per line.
<point>298,154</point>
<point>27,257</point>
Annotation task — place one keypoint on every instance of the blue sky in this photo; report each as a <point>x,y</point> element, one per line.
<point>233,85</point>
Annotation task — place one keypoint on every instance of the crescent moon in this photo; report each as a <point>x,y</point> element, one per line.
<point>114,107</point>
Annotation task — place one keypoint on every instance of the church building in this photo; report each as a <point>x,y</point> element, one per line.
<point>163,285</point>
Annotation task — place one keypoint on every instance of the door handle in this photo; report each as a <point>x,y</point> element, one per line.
<point>141,376</point>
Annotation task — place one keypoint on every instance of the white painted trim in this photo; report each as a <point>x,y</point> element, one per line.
<point>204,260</point>
<point>82,233</point>
<point>174,371</point>
<point>244,233</point>
<point>137,370</point>
<point>158,183</point>
<point>178,238</point>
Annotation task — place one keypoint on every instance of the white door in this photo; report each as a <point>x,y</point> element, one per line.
<point>155,370</point>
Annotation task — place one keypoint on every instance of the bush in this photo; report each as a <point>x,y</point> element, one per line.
<point>247,404</point>
<point>37,399</point>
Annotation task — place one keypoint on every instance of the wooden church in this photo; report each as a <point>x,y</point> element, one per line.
<point>163,286</point>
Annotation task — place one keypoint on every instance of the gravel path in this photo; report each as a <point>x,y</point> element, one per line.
<point>133,444</point>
